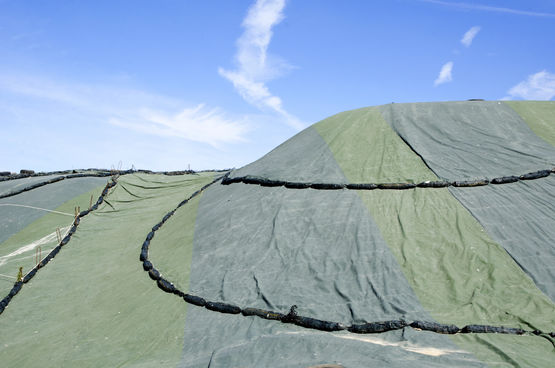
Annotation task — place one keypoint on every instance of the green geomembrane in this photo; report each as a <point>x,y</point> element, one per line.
<point>93,305</point>
<point>539,115</point>
<point>369,151</point>
<point>20,249</point>
<point>458,273</point>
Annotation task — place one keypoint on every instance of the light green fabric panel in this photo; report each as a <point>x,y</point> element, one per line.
<point>19,249</point>
<point>93,305</point>
<point>369,151</point>
<point>539,115</point>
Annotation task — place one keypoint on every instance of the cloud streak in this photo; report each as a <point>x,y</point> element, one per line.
<point>495,9</point>
<point>539,86</point>
<point>444,74</point>
<point>254,66</point>
<point>469,36</point>
<point>133,109</point>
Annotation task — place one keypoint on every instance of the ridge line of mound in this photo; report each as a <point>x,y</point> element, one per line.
<point>305,321</point>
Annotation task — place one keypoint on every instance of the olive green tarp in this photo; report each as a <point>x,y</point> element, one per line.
<point>473,255</point>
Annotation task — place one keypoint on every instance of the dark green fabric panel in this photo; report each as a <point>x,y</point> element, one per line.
<point>465,140</point>
<point>274,247</point>
<point>521,217</point>
<point>305,158</point>
<point>8,186</point>
<point>539,115</point>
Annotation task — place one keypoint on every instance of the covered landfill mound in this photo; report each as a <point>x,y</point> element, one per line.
<point>418,235</point>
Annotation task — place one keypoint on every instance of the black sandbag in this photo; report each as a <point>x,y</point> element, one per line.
<point>154,274</point>
<point>84,213</point>
<point>195,194</point>
<point>504,180</point>
<point>227,180</point>
<point>72,230</point>
<point>99,201</point>
<point>182,203</point>
<point>250,180</point>
<point>1,309</point>
<point>262,313</point>
<point>29,275</point>
<point>5,301</point>
<point>65,240</point>
<point>193,299</point>
<point>433,184</point>
<point>168,215</point>
<point>535,175</point>
<point>165,285</point>
<point>15,289</point>
<point>396,186</point>
<point>144,255</point>
<point>435,327</point>
<point>156,227</point>
<point>271,183</point>
<point>362,186</point>
<point>147,265</point>
<point>222,307</point>
<point>377,327</point>
<point>150,235</point>
<point>55,251</point>
<point>94,207</point>
<point>293,185</point>
<point>5,173</point>
<point>318,324</point>
<point>77,221</point>
<point>328,186</point>
<point>178,292</point>
<point>491,329</point>
<point>470,183</point>
<point>291,316</point>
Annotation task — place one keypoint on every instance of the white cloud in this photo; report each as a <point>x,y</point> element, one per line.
<point>444,74</point>
<point>133,109</point>
<point>469,36</point>
<point>495,9</point>
<point>539,86</point>
<point>254,66</point>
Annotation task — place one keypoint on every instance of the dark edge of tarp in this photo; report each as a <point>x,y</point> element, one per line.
<point>265,182</point>
<point>292,316</point>
<point>19,284</point>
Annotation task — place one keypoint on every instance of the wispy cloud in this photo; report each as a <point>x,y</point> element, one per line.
<point>254,66</point>
<point>496,9</point>
<point>469,36</point>
<point>444,74</point>
<point>133,109</point>
<point>539,86</point>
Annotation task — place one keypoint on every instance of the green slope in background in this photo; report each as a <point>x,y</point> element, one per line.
<point>93,305</point>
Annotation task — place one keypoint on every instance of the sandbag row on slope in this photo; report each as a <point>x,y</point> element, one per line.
<point>292,316</point>
<point>265,182</point>
<point>18,285</point>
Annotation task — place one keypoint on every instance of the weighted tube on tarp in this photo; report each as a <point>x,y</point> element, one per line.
<point>362,186</point>
<point>182,203</point>
<point>156,227</point>
<point>193,299</point>
<point>178,292</point>
<point>330,186</point>
<point>65,240</point>
<point>433,184</point>
<point>470,183</point>
<point>144,251</point>
<point>435,327</point>
<point>491,329</point>
<point>227,180</point>
<point>377,327</point>
<point>5,301</point>
<point>165,285</point>
<point>271,183</point>
<point>250,180</point>
<point>262,313</point>
<point>222,307</point>
<point>150,235</point>
<point>318,324</point>
<point>77,221</point>
<point>29,275</point>
<point>293,185</point>
<point>84,213</point>
<point>168,215</point>
<point>147,265</point>
<point>55,251</point>
<point>72,230</point>
<point>154,274</point>
<point>15,289</point>
<point>504,180</point>
<point>535,175</point>
<point>396,186</point>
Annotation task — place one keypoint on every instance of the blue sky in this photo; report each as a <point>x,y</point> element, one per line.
<point>166,84</point>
